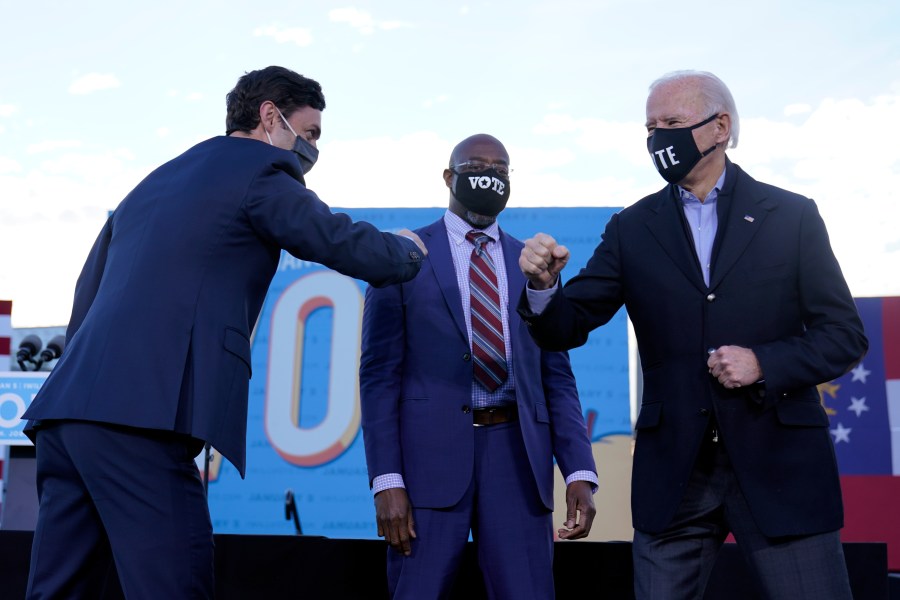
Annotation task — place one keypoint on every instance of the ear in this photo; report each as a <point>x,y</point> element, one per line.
<point>723,128</point>
<point>448,178</point>
<point>268,115</point>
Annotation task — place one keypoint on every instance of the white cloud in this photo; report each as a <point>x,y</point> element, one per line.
<point>7,110</point>
<point>52,146</point>
<point>841,155</point>
<point>300,36</point>
<point>9,165</point>
<point>52,212</point>
<point>431,102</point>
<point>93,82</point>
<point>195,96</point>
<point>624,142</point>
<point>362,21</point>
<point>347,169</point>
<point>796,109</point>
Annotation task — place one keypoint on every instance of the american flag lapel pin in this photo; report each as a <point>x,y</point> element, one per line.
<point>748,218</point>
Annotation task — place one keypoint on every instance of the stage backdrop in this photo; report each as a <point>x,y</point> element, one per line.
<point>304,418</point>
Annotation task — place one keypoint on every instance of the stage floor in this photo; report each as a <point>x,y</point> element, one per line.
<point>257,567</point>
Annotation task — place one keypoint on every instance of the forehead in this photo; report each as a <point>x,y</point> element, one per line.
<point>307,115</point>
<point>487,150</point>
<point>675,98</point>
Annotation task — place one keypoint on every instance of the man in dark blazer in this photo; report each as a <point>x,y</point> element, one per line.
<point>450,447</point>
<point>740,309</point>
<point>157,355</point>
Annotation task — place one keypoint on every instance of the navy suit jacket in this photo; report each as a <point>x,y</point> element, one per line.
<point>416,385</point>
<point>159,336</point>
<point>776,288</point>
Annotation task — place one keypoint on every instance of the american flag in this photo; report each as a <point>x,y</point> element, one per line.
<point>5,351</point>
<point>864,410</point>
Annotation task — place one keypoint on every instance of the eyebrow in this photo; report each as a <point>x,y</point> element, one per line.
<point>488,160</point>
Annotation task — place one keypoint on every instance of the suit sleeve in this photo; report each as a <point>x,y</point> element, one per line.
<point>833,340</point>
<point>568,431</point>
<point>89,280</point>
<point>287,214</point>
<point>586,302</point>
<point>380,376</point>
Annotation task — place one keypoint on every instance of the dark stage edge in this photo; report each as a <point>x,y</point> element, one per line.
<point>264,566</point>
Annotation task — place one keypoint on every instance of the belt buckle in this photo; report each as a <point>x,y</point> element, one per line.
<point>490,410</point>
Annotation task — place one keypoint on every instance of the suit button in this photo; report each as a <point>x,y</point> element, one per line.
<point>467,356</point>
<point>704,411</point>
<point>711,297</point>
<point>466,409</point>
<point>414,255</point>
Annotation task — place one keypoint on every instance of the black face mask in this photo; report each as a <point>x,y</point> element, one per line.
<point>674,151</point>
<point>483,193</point>
<point>307,153</point>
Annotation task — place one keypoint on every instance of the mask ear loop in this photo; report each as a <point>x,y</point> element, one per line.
<point>701,124</point>
<point>286,122</point>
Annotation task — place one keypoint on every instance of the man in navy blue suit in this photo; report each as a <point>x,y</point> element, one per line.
<point>740,308</point>
<point>157,355</point>
<point>462,413</point>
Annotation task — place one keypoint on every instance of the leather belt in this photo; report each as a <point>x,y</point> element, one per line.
<point>494,415</point>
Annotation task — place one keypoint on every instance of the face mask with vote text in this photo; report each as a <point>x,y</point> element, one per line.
<point>674,151</point>
<point>484,192</point>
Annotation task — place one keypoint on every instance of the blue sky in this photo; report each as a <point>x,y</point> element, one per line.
<point>94,95</point>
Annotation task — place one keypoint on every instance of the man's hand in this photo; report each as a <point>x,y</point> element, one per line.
<point>541,261</point>
<point>409,234</point>
<point>579,498</point>
<point>734,366</point>
<point>395,521</point>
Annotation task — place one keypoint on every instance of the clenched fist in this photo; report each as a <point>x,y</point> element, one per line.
<point>541,261</point>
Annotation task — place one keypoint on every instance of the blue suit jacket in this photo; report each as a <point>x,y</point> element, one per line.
<point>775,287</point>
<point>168,297</point>
<point>416,385</point>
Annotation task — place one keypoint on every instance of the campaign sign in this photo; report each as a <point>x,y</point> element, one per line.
<point>304,432</point>
<point>17,390</point>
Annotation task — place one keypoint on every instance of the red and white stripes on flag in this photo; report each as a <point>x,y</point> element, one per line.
<point>5,334</point>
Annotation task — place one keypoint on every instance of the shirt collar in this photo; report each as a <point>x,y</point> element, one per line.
<point>688,197</point>
<point>457,228</point>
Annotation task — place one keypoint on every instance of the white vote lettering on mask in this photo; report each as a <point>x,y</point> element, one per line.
<point>662,159</point>
<point>484,182</point>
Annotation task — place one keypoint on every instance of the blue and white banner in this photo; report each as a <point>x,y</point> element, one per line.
<point>304,417</point>
<point>17,390</point>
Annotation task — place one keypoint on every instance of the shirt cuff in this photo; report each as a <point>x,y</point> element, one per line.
<point>386,482</point>
<point>588,476</point>
<point>539,299</point>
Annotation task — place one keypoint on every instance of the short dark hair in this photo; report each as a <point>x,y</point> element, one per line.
<point>286,89</point>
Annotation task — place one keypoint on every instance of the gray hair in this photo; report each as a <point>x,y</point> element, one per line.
<point>715,95</point>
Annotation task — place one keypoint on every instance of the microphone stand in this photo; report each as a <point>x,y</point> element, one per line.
<point>206,471</point>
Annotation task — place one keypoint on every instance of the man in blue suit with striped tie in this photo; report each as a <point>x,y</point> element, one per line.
<point>462,413</point>
<point>157,355</point>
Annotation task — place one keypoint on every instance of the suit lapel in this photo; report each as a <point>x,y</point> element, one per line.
<point>515,280</point>
<point>747,211</point>
<point>667,227</point>
<point>438,243</point>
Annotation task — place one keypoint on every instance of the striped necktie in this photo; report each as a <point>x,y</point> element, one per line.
<point>488,344</point>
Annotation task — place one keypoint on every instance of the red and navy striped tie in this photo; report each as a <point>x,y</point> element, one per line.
<point>488,345</point>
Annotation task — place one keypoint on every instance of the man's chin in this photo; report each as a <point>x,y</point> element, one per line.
<point>477,220</point>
